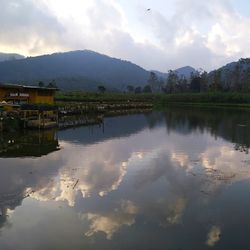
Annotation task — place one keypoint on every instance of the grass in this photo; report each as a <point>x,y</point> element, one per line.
<point>105,97</point>
<point>225,99</point>
<point>161,100</point>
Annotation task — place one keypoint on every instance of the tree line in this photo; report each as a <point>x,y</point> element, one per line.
<point>232,77</point>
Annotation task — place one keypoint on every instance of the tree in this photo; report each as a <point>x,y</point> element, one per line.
<point>236,77</point>
<point>147,89</point>
<point>138,90</point>
<point>41,84</point>
<point>246,80</point>
<point>204,81</point>
<point>182,84</point>
<point>195,85</point>
<point>153,82</point>
<point>101,89</point>
<point>172,80</point>
<point>52,84</point>
<point>130,88</point>
<point>216,81</point>
<point>161,84</point>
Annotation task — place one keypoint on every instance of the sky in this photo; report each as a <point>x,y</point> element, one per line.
<point>155,34</point>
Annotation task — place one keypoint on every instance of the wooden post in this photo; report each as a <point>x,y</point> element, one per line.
<point>39,121</point>
<point>24,125</point>
<point>57,117</point>
<point>43,118</point>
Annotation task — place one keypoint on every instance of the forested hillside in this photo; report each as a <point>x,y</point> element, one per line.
<point>74,70</point>
<point>10,57</point>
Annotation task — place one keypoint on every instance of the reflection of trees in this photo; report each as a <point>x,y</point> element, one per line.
<point>8,202</point>
<point>114,127</point>
<point>3,217</point>
<point>154,119</point>
<point>241,148</point>
<point>228,124</point>
<point>19,182</point>
<point>19,174</point>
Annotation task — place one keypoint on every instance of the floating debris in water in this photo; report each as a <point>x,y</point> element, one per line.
<point>241,125</point>
<point>204,192</point>
<point>75,184</point>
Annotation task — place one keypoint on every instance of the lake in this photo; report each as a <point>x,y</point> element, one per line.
<point>176,180</point>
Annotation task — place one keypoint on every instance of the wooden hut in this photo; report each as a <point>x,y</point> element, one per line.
<point>20,94</point>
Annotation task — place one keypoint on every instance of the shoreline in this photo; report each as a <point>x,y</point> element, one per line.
<point>115,104</point>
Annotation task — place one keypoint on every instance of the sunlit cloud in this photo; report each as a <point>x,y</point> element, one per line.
<point>224,162</point>
<point>198,33</point>
<point>213,236</point>
<point>87,173</point>
<point>111,222</point>
<point>176,211</point>
<point>97,170</point>
<point>182,159</point>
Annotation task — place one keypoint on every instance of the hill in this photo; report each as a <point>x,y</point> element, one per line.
<point>10,57</point>
<point>234,76</point>
<point>86,70</point>
<point>76,70</point>
<point>181,72</point>
<point>185,71</point>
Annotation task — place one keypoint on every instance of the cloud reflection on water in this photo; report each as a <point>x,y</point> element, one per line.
<point>112,183</point>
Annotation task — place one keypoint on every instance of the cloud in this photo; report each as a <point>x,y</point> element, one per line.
<point>230,36</point>
<point>158,186</point>
<point>199,33</point>
<point>86,173</point>
<point>213,236</point>
<point>111,222</point>
<point>176,211</point>
<point>28,26</point>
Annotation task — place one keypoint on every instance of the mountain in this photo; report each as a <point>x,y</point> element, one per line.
<point>185,71</point>
<point>181,72</point>
<point>10,57</point>
<point>233,76</point>
<point>160,74</point>
<point>75,70</point>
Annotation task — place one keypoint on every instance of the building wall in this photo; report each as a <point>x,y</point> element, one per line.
<point>2,94</point>
<point>36,96</point>
<point>43,99</point>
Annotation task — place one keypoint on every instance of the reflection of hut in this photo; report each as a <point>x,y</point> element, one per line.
<point>39,116</point>
<point>19,94</point>
<point>31,144</point>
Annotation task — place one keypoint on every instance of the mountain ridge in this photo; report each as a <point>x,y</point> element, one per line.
<point>10,56</point>
<point>81,63</point>
<point>181,72</point>
<point>232,76</point>
<point>86,70</point>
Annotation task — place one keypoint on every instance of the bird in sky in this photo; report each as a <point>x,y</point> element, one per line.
<point>148,9</point>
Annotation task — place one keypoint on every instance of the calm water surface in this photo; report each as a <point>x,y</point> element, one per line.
<point>175,180</point>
